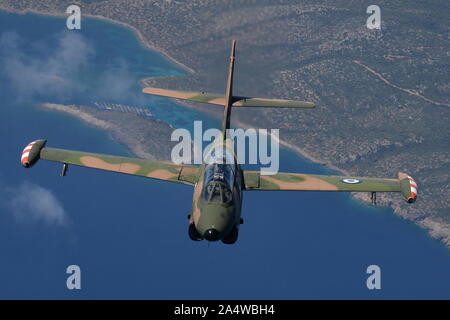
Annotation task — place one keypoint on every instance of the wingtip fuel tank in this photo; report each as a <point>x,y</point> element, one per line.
<point>31,153</point>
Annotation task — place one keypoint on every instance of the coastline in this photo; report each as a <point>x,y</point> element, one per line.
<point>146,43</point>
<point>122,132</point>
<point>299,151</point>
<point>142,40</point>
<point>430,225</point>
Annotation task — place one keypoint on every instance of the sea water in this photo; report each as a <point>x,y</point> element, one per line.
<point>129,235</point>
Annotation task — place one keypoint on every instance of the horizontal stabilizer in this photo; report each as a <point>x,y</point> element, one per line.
<point>236,101</point>
<point>270,103</point>
<point>188,95</point>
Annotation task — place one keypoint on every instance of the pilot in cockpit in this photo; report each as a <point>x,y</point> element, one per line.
<point>219,180</point>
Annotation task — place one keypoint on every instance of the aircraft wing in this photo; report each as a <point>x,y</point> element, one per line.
<point>167,171</point>
<point>219,99</point>
<point>406,185</point>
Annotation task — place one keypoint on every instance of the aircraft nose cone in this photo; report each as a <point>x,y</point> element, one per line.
<point>211,235</point>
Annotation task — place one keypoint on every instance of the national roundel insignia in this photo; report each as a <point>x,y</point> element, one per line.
<point>351,181</point>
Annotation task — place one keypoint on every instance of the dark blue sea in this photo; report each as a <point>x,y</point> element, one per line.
<point>129,234</point>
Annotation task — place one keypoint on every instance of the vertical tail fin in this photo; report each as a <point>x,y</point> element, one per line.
<point>229,93</point>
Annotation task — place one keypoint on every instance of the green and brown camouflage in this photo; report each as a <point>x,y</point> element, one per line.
<point>307,182</point>
<point>220,99</point>
<point>296,181</point>
<point>222,218</point>
<point>139,167</point>
<point>218,184</point>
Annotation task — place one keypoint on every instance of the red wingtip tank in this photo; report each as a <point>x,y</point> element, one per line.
<point>408,187</point>
<point>31,153</point>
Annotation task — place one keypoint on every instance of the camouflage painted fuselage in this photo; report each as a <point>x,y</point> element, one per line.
<point>217,216</point>
<point>221,217</point>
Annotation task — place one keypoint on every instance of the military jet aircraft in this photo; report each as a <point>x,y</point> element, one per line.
<point>219,183</point>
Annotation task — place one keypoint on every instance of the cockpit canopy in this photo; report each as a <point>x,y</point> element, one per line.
<point>217,192</point>
<point>219,181</point>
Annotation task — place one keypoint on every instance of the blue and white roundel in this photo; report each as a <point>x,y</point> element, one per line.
<point>351,181</point>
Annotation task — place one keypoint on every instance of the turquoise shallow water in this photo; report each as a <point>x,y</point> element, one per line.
<point>129,235</point>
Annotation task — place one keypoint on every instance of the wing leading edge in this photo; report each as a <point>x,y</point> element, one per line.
<point>406,185</point>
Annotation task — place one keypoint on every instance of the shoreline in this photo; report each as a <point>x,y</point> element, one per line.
<point>430,225</point>
<point>118,130</point>
<point>299,151</point>
<point>142,40</point>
